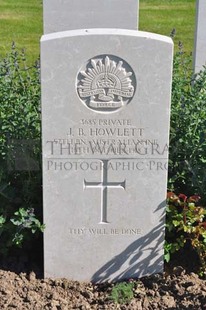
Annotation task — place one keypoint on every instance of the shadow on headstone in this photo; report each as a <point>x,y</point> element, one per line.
<point>139,256</point>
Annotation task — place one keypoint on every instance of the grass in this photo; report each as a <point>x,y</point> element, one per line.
<point>162,16</point>
<point>21,22</point>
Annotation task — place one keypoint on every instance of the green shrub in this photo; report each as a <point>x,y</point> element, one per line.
<point>186,223</point>
<point>187,157</point>
<point>20,155</point>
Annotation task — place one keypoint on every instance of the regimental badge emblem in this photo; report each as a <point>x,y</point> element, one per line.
<point>106,83</point>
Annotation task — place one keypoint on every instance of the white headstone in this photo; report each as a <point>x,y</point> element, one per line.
<point>200,37</point>
<point>105,124</point>
<point>63,15</point>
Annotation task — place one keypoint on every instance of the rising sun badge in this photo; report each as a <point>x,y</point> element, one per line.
<point>106,84</point>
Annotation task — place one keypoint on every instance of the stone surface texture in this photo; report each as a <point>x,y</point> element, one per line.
<point>105,168</point>
<point>63,15</point>
<point>200,37</point>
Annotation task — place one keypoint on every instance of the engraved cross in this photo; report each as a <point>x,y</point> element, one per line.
<point>104,185</point>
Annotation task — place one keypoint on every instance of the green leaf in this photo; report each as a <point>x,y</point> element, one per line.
<point>167,257</point>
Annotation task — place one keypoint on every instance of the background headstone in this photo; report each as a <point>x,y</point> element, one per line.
<point>200,36</point>
<point>105,125</point>
<point>63,15</point>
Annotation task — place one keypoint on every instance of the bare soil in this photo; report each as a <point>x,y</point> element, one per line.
<point>179,290</point>
<point>22,287</point>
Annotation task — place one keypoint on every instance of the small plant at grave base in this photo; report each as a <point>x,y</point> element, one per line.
<point>122,293</point>
<point>186,222</point>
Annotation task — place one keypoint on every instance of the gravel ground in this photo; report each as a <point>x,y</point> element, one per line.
<point>179,290</point>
